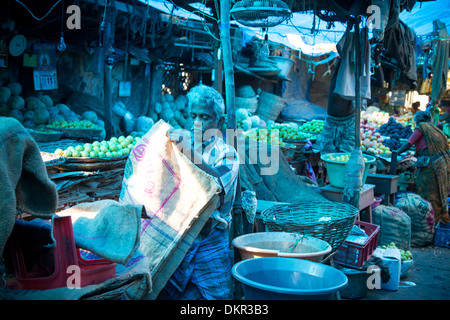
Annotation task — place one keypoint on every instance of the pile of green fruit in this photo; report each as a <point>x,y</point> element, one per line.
<point>115,147</point>
<point>315,126</point>
<point>82,124</point>
<point>288,132</point>
<point>405,254</point>
<point>265,135</point>
<point>340,158</point>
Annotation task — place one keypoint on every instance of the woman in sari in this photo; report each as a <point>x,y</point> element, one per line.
<point>433,161</point>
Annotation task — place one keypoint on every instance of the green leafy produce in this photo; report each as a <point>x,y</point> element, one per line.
<point>14,113</point>
<point>90,115</point>
<point>16,88</point>
<point>33,103</point>
<point>16,102</point>
<point>5,94</point>
<point>46,100</point>
<point>29,115</point>
<point>28,123</point>
<point>4,109</point>
<point>41,116</point>
<point>166,114</point>
<point>63,109</point>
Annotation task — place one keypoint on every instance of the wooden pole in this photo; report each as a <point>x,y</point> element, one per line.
<point>108,41</point>
<point>358,83</point>
<point>227,62</point>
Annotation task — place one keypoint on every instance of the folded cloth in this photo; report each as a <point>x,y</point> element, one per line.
<point>107,228</point>
<point>25,185</point>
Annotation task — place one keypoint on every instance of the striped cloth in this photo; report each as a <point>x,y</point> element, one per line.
<point>224,159</point>
<point>205,272</point>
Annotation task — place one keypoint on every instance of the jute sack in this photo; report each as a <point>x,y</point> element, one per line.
<point>107,228</point>
<point>422,218</point>
<point>395,226</point>
<point>24,182</point>
<point>177,196</point>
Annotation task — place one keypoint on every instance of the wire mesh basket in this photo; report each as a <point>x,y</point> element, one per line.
<point>260,13</point>
<point>325,220</point>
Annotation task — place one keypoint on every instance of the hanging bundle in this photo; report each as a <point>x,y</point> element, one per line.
<point>260,13</point>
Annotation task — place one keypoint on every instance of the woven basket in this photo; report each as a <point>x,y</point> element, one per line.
<point>326,220</point>
<point>79,133</point>
<point>245,91</point>
<point>251,104</point>
<point>269,105</point>
<point>45,136</point>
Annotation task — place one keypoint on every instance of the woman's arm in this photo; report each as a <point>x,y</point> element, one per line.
<point>406,146</point>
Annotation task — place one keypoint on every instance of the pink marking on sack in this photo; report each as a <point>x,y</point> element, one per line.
<point>139,152</point>
<point>150,189</point>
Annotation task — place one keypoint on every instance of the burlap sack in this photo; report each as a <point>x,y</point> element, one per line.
<point>24,182</point>
<point>422,218</point>
<point>107,228</point>
<point>177,196</point>
<point>395,226</point>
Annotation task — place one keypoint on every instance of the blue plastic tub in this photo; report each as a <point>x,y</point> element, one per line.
<point>277,278</point>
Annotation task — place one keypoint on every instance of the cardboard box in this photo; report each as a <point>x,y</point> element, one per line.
<point>393,260</point>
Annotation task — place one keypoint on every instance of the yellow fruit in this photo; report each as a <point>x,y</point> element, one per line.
<point>67,153</point>
<point>76,153</point>
<point>88,147</point>
<point>113,147</point>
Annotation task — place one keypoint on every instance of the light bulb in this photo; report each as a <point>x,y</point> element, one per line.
<point>61,45</point>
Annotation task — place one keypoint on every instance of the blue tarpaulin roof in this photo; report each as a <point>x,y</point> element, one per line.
<point>421,17</point>
<point>296,32</point>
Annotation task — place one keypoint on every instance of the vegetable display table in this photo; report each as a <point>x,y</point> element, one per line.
<point>367,198</point>
<point>385,184</point>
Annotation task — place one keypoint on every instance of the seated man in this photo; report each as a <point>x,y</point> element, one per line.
<point>205,272</point>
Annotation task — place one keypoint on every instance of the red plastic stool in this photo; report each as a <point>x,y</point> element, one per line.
<point>65,255</point>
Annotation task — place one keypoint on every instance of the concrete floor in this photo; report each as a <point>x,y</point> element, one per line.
<point>429,274</point>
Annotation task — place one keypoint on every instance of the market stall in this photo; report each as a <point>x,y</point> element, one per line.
<point>97,112</point>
